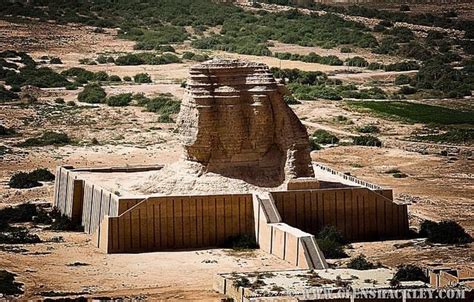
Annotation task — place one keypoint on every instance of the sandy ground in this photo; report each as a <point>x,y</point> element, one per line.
<point>437,187</point>
<point>74,267</point>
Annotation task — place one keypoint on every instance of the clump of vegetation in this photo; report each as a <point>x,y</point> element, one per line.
<point>195,57</point>
<point>360,263</point>
<point>7,95</point>
<point>61,222</point>
<point>402,79</point>
<point>446,232</point>
<point>46,139</point>
<point>313,145</point>
<point>417,113</point>
<point>165,105</point>
<point>21,213</point>
<point>142,78</point>
<point>321,136</point>
<point>331,242</point>
<point>291,100</point>
<point>369,128</point>
<point>120,100</point>
<point>452,135</point>
<point>410,272</point>
<point>367,140</point>
<point>55,60</point>
<point>92,94</point>
<point>147,58</point>
<point>18,235</point>
<point>241,242</point>
<point>8,285</point>
<point>309,58</point>
<point>4,131</point>
<point>23,180</point>
<point>346,50</point>
<point>357,61</point>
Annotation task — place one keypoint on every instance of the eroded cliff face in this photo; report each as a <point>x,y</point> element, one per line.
<point>234,121</point>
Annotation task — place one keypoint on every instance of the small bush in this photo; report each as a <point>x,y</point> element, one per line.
<point>314,146</point>
<point>357,61</point>
<point>4,131</point>
<point>404,8</point>
<point>22,180</point>
<point>101,76</point>
<point>59,100</point>
<point>367,140</point>
<point>42,174</point>
<point>115,78</point>
<point>55,61</point>
<point>127,79</point>
<point>63,223</point>
<point>71,103</point>
<point>446,232</point>
<point>331,242</point>
<point>92,94</point>
<point>163,105</point>
<point>8,286</point>
<point>368,129</point>
<point>410,272</point>
<point>402,79</point>
<point>291,100</point>
<point>46,139</point>
<point>321,136</point>
<point>18,235</point>
<point>120,100</point>
<point>241,242</point>
<point>346,50</point>
<point>142,78</point>
<point>21,213</point>
<point>360,263</point>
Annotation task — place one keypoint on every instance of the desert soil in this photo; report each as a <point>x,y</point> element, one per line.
<point>436,187</point>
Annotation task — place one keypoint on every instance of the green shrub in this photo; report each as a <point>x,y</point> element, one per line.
<point>410,272</point>
<point>321,136</point>
<point>360,263</point>
<point>346,50</point>
<point>407,90</point>
<point>163,105</point>
<point>333,234</point>
<point>59,101</point>
<point>119,100</point>
<point>314,146</point>
<point>63,223</point>
<point>129,59</point>
<point>404,8</point>
<point>93,94</point>
<point>15,88</point>
<point>101,76</point>
<point>241,242</point>
<point>79,74</point>
<point>42,174</point>
<point>71,103</point>
<point>357,61</point>
<point>368,129</point>
<point>8,285</point>
<point>291,100</point>
<point>23,180</point>
<point>447,232</point>
<point>331,249</point>
<point>454,135</point>
<point>375,66</point>
<point>21,213</point>
<point>46,139</point>
<point>367,140</point>
<point>115,78</point>
<point>4,131</point>
<point>402,79</point>
<point>142,78</point>
<point>17,235</point>
<point>55,61</point>
<point>127,79</point>
<point>43,77</point>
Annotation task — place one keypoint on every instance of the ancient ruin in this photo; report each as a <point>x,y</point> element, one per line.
<point>235,122</point>
<point>243,142</point>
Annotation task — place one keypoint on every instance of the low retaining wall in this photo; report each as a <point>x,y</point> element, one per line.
<point>359,213</point>
<point>178,222</point>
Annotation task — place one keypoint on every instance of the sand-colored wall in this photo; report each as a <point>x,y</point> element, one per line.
<point>68,193</point>
<point>178,222</point>
<point>359,213</point>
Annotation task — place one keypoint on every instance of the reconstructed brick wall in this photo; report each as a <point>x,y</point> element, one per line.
<point>164,223</point>
<point>359,213</point>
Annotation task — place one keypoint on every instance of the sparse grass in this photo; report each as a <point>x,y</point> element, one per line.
<point>453,135</point>
<point>416,113</point>
<point>46,139</point>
